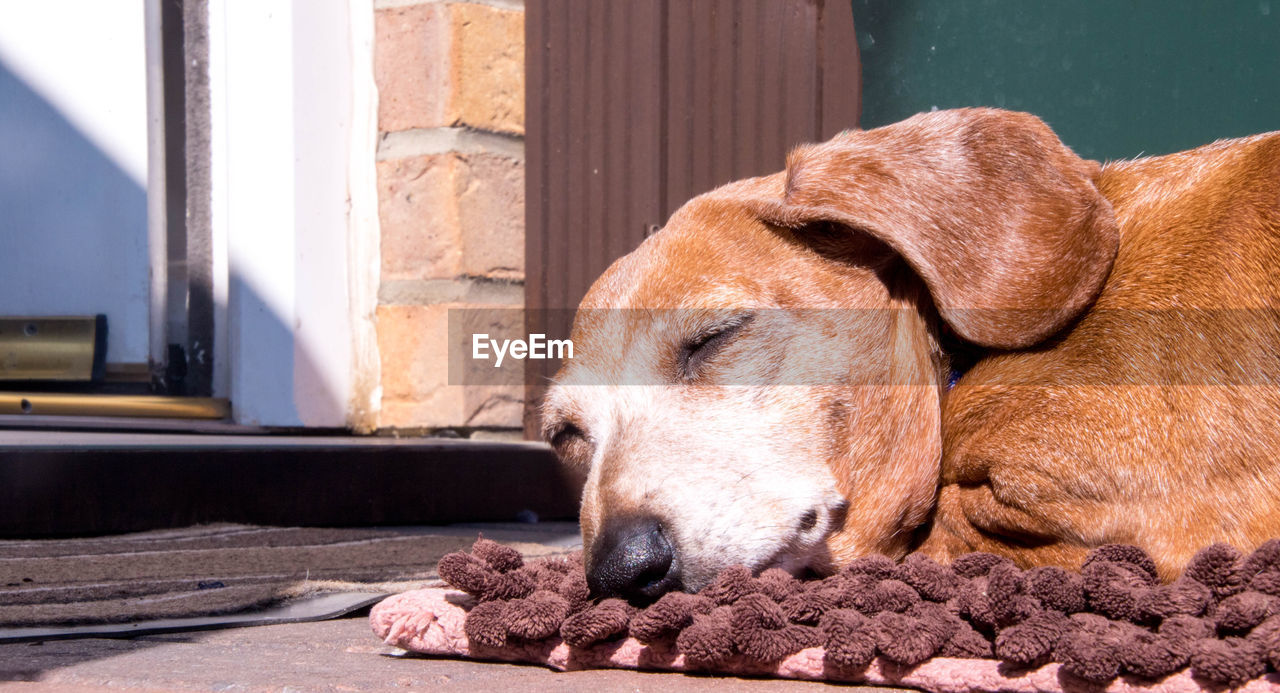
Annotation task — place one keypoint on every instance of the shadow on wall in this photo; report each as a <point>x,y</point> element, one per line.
<point>73,224</point>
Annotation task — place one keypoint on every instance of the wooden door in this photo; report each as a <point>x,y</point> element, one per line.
<point>634,106</point>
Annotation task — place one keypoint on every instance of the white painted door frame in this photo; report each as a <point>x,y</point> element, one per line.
<point>294,211</point>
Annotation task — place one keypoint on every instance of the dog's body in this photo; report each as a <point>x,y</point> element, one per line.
<point>793,409</point>
<point>1156,417</point>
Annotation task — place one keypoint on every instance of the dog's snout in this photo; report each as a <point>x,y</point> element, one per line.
<point>633,559</point>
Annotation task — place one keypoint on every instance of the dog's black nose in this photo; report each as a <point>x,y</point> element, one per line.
<point>631,558</point>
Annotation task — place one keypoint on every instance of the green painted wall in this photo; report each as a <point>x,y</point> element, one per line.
<point>1114,78</point>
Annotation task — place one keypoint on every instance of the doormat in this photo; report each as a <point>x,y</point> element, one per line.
<point>226,569</point>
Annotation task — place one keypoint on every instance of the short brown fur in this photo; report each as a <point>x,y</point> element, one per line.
<point>1129,388</point>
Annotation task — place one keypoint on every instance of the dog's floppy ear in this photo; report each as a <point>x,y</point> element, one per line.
<point>1002,221</point>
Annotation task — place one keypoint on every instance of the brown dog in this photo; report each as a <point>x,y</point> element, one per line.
<point>765,382</point>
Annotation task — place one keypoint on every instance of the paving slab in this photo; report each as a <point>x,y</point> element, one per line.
<point>324,656</point>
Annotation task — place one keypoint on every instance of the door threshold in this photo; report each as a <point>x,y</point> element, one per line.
<point>121,406</point>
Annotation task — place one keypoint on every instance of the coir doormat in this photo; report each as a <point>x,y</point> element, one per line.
<point>226,568</point>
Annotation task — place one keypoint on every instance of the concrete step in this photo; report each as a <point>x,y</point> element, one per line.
<point>57,483</point>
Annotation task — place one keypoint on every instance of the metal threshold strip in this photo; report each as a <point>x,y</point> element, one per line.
<point>124,406</point>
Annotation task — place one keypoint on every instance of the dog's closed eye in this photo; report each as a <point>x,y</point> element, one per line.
<point>570,442</point>
<point>696,352</point>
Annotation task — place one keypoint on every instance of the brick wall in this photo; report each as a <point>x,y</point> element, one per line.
<point>450,168</point>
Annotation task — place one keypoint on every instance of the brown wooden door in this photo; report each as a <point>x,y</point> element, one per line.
<point>634,106</point>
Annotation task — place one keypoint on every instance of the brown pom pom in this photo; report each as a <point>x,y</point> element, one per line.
<point>1267,582</point>
<point>1267,637</point>
<point>947,621</point>
<point>1094,624</point>
<point>1184,632</point>
<point>537,617</point>
<point>1032,641</point>
<point>1123,553</point>
<point>807,607</point>
<point>501,558</point>
<point>848,589</point>
<point>1151,655</point>
<point>1265,558</point>
<point>966,643</point>
<point>1055,589</point>
<point>601,622</point>
<point>1113,588</point>
<point>486,624</point>
<point>850,638</point>
<point>1243,611</point>
<point>801,638</point>
<point>1004,582</point>
<point>1159,654</point>
<point>1015,611</point>
<point>709,640</point>
<point>932,581</point>
<point>467,573</point>
<point>974,605</point>
<point>732,584</point>
<point>778,584</point>
<point>573,587</point>
<point>543,577</point>
<point>516,584</point>
<point>1004,594</point>
<point>1090,650</point>
<point>877,566</point>
<point>1218,568</point>
<point>906,640</point>
<point>1184,597</point>
<point>1231,661</point>
<point>761,630</point>
<point>666,617</point>
<point>972,565</point>
<point>887,595</point>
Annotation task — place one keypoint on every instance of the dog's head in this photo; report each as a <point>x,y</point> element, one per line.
<point>759,383</point>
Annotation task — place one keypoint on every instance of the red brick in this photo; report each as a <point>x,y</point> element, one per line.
<point>418,212</point>
<point>491,210</point>
<point>413,346</point>
<point>443,64</point>
<point>413,342</point>
<point>488,72</point>
<point>413,67</point>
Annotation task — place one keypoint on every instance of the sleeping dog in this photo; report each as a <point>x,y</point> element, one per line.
<point>773,379</point>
